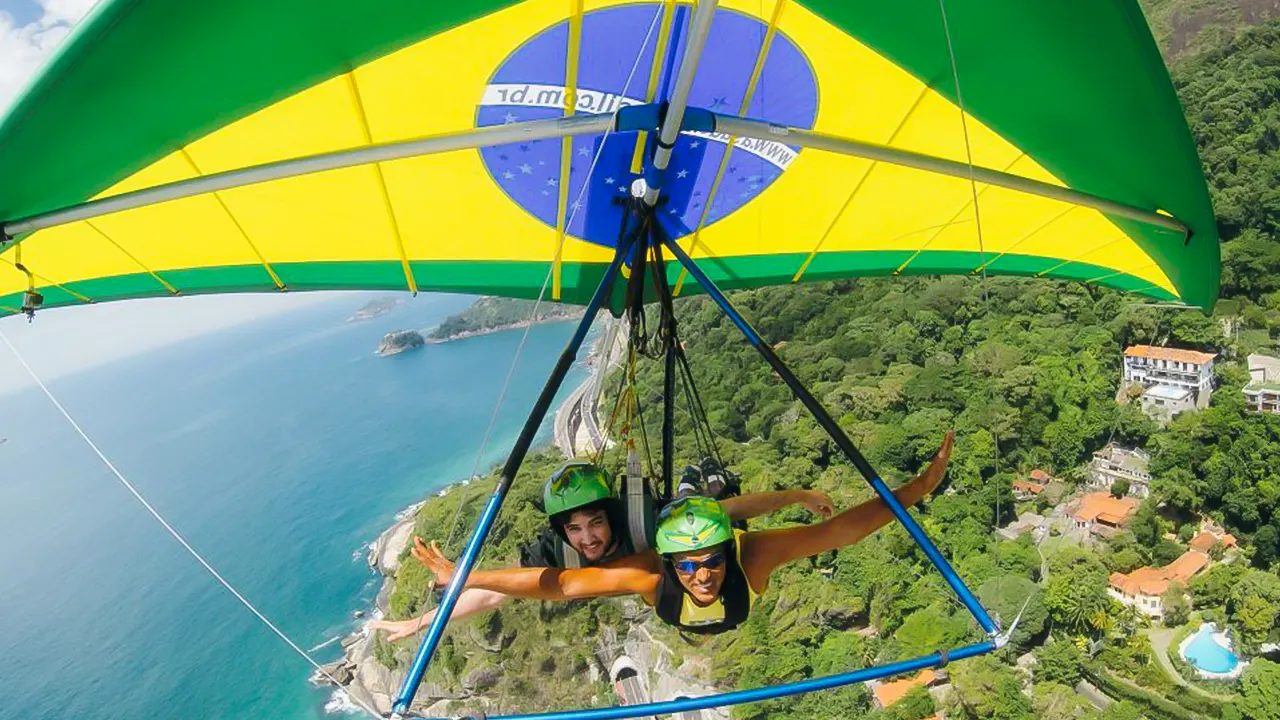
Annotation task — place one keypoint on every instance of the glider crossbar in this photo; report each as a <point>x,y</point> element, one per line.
<point>561,127</point>
<point>770,692</point>
<point>760,130</point>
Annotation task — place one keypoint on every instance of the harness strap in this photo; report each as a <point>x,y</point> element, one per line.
<point>636,499</point>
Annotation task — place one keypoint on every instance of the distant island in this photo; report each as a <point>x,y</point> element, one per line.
<point>394,343</point>
<point>376,308</point>
<point>495,314</point>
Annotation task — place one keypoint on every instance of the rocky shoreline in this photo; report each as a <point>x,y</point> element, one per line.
<point>364,681</point>
<point>497,329</point>
<point>398,341</point>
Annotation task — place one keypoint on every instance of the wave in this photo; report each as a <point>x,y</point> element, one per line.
<point>340,703</point>
<point>326,643</point>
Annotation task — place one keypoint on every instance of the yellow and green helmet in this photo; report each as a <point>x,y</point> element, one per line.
<point>574,485</point>
<point>692,523</point>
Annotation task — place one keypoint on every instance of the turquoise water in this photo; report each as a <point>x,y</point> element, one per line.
<point>1208,655</point>
<point>279,449</point>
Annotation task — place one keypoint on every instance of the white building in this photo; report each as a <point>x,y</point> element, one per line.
<point>1114,463</point>
<point>1145,587</point>
<point>1172,380</point>
<point>1263,390</point>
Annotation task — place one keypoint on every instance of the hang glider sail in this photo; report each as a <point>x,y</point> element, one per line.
<point>544,147</point>
<point>151,94</point>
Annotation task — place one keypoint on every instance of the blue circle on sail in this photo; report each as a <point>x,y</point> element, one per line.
<point>615,63</point>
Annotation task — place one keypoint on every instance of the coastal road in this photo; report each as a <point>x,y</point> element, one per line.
<point>577,426</point>
<point>591,398</point>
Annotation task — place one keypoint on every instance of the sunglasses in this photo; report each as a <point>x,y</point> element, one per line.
<point>689,567</point>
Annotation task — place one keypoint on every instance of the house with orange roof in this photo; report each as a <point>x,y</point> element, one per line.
<point>885,694</point>
<point>1102,514</point>
<point>1143,588</point>
<point>1206,539</point>
<point>1173,380</point>
<point>1026,490</point>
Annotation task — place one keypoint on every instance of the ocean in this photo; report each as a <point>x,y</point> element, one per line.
<point>279,449</point>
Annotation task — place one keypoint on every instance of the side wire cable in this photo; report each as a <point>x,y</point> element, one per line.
<point>977,217</point>
<point>173,532</point>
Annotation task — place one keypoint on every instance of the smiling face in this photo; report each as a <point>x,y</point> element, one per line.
<point>588,531</point>
<point>702,573</point>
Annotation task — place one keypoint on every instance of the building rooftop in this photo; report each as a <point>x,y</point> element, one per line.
<point>1262,387</point>
<point>1265,366</point>
<point>1033,488</point>
<point>1164,353</point>
<point>891,692</point>
<point>1155,581</point>
<point>1205,540</point>
<point>1167,392</point>
<point>1025,523</point>
<point>1040,476</point>
<point>1131,459</point>
<point>1101,506</point>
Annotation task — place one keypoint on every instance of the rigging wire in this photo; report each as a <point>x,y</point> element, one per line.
<point>576,206</point>
<point>173,532</point>
<point>546,281</point>
<point>977,216</point>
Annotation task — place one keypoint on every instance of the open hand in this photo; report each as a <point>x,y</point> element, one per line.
<point>397,629</point>
<point>817,502</point>
<point>434,560</point>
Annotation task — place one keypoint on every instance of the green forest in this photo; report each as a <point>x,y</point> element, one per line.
<point>492,313</point>
<point>1026,372</point>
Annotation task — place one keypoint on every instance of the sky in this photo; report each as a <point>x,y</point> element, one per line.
<point>71,340</point>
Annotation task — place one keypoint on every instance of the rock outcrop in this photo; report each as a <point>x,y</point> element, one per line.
<point>394,343</point>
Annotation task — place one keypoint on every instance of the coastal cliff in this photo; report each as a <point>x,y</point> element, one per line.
<point>394,343</point>
<point>495,314</point>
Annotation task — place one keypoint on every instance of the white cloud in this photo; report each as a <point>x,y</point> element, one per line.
<point>68,11</point>
<point>24,50</point>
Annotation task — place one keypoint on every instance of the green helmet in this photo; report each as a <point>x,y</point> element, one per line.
<point>692,523</point>
<point>574,485</point>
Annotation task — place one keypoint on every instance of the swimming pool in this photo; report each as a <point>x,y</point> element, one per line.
<point>1208,651</point>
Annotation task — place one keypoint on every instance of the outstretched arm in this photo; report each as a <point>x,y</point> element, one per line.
<point>546,583</point>
<point>470,602</point>
<point>752,505</point>
<point>763,552</point>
